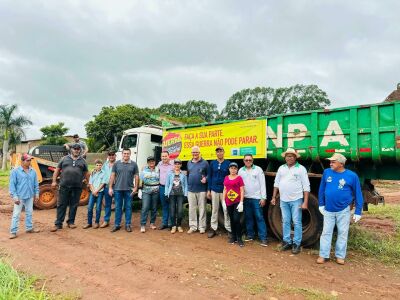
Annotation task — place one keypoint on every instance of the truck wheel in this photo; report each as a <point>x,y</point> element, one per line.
<point>84,199</point>
<point>47,197</point>
<point>312,221</point>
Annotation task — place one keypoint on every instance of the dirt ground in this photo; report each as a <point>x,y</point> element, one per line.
<point>97,264</point>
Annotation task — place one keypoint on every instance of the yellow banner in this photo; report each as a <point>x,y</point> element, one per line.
<point>237,139</point>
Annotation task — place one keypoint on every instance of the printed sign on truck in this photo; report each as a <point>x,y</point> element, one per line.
<point>237,138</point>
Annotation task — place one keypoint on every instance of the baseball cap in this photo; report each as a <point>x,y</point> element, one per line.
<point>233,164</point>
<point>76,146</point>
<point>219,148</point>
<point>150,158</point>
<point>75,135</point>
<point>338,157</point>
<point>26,156</point>
<point>177,161</point>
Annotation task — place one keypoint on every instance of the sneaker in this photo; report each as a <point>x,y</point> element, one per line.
<point>142,229</point>
<point>128,228</point>
<point>321,260</point>
<point>104,225</point>
<point>211,233</point>
<point>191,230</point>
<point>87,226</point>
<point>153,227</point>
<point>286,246</point>
<point>55,228</point>
<point>202,231</point>
<point>115,228</point>
<point>339,261</point>
<point>180,229</point>
<point>296,249</point>
<point>240,242</point>
<point>96,225</point>
<point>263,243</point>
<point>71,226</point>
<point>12,236</point>
<point>231,240</point>
<point>248,239</point>
<point>33,230</point>
<point>173,230</point>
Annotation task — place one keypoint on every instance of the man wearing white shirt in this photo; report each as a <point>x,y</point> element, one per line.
<point>293,185</point>
<point>254,199</point>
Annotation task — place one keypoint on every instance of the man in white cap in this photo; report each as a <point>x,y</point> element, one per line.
<point>337,190</point>
<point>293,185</point>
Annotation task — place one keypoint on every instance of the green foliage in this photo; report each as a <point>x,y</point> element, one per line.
<point>112,121</point>
<point>266,101</point>
<point>95,145</point>
<point>197,109</point>
<point>4,178</point>
<point>54,134</point>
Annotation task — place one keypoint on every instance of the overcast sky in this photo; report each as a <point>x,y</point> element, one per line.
<point>64,60</point>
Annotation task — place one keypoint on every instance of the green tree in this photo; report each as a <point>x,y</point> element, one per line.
<point>112,121</point>
<point>192,108</point>
<point>11,125</point>
<point>266,101</point>
<point>54,134</point>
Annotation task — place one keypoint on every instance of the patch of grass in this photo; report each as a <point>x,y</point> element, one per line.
<point>255,288</point>
<point>308,293</point>
<point>4,178</point>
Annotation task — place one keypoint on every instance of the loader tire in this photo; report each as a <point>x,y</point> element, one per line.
<point>47,197</point>
<point>312,221</point>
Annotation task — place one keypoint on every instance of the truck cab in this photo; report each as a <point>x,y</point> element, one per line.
<point>143,141</point>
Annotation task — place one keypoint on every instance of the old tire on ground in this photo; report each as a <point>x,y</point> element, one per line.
<point>312,221</point>
<point>47,197</point>
<point>84,199</point>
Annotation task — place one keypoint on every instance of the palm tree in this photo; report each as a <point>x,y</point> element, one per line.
<point>9,125</point>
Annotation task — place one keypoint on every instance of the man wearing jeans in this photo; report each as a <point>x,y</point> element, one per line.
<point>217,171</point>
<point>73,169</point>
<point>107,169</point>
<point>338,188</point>
<point>293,185</point>
<point>123,184</point>
<point>164,166</point>
<point>197,188</point>
<point>24,187</point>
<point>254,199</point>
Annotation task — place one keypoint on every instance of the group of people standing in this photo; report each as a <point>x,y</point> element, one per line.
<point>235,190</point>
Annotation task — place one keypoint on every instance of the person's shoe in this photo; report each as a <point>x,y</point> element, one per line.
<point>263,243</point>
<point>339,261</point>
<point>191,230</point>
<point>55,228</point>
<point>128,228</point>
<point>142,229</point>
<point>211,233</point>
<point>33,230</point>
<point>180,229</point>
<point>248,239</point>
<point>12,236</point>
<point>173,230</point>
<point>115,228</point>
<point>231,240</point>
<point>87,226</point>
<point>153,227</point>
<point>240,243</point>
<point>286,246</point>
<point>202,231</point>
<point>229,234</point>
<point>104,225</point>
<point>96,225</point>
<point>296,249</point>
<point>71,226</point>
<point>162,227</point>
<point>321,260</point>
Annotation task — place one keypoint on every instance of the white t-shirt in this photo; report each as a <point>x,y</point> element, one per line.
<point>292,182</point>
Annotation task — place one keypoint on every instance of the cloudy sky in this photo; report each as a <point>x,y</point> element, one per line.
<point>64,60</point>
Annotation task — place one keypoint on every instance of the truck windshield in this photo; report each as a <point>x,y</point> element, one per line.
<point>129,141</point>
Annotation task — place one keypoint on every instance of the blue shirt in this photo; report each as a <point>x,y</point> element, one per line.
<point>216,175</point>
<point>96,179</point>
<point>23,185</point>
<point>338,190</point>
<point>107,172</point>
<point>150,179</point>
<point>196,171</point>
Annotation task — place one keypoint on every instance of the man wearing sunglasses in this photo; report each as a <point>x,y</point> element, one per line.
<point>74,170</point>
<point>254,199</point>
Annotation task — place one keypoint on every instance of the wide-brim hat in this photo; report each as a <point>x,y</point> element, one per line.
<point>338,157</point>
<point>290,151</point>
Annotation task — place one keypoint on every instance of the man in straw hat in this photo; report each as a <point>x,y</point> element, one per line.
<point>338,188</point>
<point>293,185</point>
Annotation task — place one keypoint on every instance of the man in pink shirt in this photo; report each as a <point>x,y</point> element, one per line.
<point>165,166</point>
